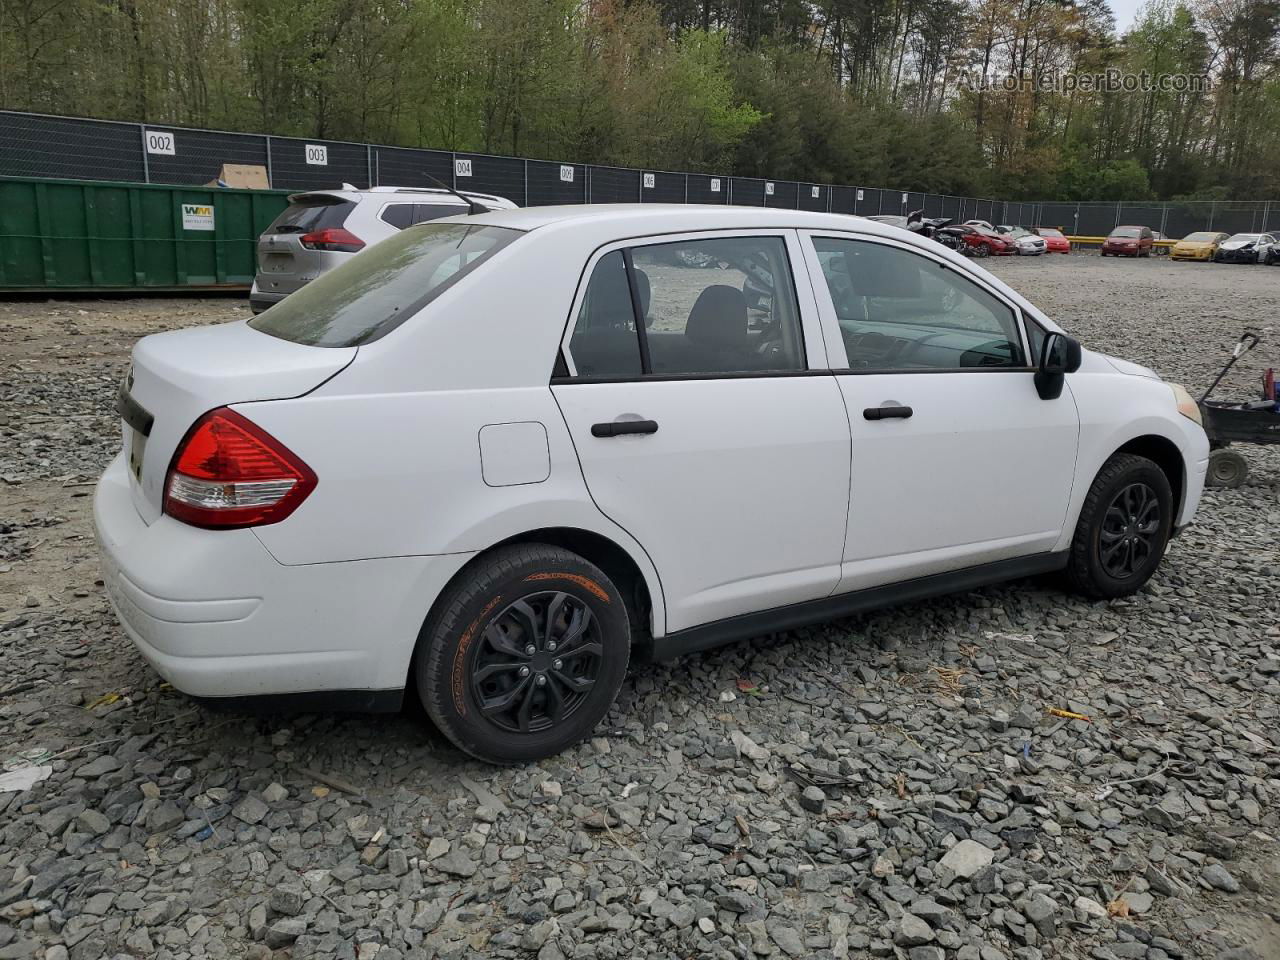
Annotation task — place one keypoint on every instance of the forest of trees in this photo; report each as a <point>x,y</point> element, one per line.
<point>836,91</point>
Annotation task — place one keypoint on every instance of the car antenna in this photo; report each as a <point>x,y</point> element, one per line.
<point>473,206</point>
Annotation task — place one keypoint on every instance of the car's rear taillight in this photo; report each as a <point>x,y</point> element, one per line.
<point>332,238</point>
<point>229,472</point>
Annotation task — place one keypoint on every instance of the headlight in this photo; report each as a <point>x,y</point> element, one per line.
<point>1187,405</point>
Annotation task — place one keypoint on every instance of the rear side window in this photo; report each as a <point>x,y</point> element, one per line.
<point>377,290</point>
<point>605,343</point>
<point>306,214</point>
<point>399,215</point>
<point>707,307</point>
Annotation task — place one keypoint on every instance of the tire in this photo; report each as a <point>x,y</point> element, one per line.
<point>1113,554</point>
<point>1227,469</point>
<point>981,251</point>
<point>486,620</point>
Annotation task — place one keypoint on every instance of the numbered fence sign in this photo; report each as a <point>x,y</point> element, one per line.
<point>815,192</point>
<point>715,184</point>
<point>904,198</point>
<point>566,172</point>
<point>648,181</point>
<point>461,168</point>
<point>768,189</point>
<point>160,142</point>
<point>317,154</point>
<point>859,194</point>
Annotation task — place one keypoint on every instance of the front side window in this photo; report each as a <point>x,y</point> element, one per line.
<point>378,289</point>
<point>720,305</point>
<point>899,310</point>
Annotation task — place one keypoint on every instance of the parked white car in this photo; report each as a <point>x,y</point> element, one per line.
<point>1246,248</point>
<point>486,458</point>
<point>1025,243</point>
<point>321,229</point>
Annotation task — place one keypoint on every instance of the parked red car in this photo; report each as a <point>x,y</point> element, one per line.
<point>981,242</point>
<point>1128,242</point>
<point>1055,241</point>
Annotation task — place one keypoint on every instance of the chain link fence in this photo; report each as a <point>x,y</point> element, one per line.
<point>1174,219</point>
<point>37,145</point>
<point>72,148</point>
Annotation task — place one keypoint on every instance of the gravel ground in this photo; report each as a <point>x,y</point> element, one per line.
<point>887,786</point>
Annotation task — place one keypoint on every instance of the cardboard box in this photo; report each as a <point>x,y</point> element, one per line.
<point>245,176</point>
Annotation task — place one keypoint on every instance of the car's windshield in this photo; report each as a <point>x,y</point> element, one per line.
<point>1050,232</point>
<point>1200,237</point>
<point>1245,236</point>
<point>378,289</point>
<point>1017,233</point>
<point>1125,232</point>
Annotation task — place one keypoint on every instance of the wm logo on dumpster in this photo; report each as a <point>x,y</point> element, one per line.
<point>197,216</point>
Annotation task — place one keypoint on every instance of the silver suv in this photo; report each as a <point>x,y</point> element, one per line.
<point>322,228</point>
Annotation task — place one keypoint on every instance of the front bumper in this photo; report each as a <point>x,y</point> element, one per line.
<point>1236,256</point>
<point>218,617</point>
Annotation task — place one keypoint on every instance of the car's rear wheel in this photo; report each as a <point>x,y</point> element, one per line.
<point>524,653</point>
<point>1123,528</point>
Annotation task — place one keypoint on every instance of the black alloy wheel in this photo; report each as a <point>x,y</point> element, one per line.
<point>1124,526</point>
<point>1130,530</point>
<point>536,662</point>
<point>523,653</point>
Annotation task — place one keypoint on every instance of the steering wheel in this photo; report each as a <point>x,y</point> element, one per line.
<point>909,348</point>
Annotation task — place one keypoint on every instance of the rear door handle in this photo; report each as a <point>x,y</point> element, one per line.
<point>886,413</point>
<point>617,428</point>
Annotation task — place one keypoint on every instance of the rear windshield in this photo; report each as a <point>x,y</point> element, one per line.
<point>378,289</point>
<point>1125,232</point>
<point>307,214</point>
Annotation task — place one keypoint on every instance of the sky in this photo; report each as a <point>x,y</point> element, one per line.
<point>1124,11</point>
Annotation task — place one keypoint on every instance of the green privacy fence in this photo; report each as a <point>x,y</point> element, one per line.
<point>97,235</point>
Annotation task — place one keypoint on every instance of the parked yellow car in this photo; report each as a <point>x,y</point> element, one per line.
<point>1197,246</point>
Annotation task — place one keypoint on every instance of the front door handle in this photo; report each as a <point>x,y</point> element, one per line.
<point>891,412</point>
<point>618,428</point>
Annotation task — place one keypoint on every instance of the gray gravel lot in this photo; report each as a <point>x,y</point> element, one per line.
<point>948,815</point>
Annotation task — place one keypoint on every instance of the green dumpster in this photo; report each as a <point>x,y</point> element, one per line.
<point>85,235</point>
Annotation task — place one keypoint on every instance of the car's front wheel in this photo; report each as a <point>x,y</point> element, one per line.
<point>1123,529</point>
<point>524,653</point>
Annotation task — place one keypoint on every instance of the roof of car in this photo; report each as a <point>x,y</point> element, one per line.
<point>436,193</point>
<point>673,217</point>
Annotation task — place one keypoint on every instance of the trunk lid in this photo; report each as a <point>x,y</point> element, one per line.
<point>284,264</point>
<point>177,376</point>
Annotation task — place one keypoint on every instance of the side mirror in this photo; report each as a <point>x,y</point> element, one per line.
<point>1059,355</point>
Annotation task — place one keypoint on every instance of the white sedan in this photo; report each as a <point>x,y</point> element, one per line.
<point>489,457</point>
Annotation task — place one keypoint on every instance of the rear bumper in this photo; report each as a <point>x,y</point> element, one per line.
<point>218,617</point>
<point>260,300</point>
